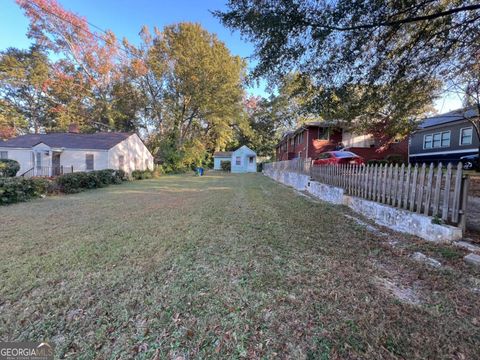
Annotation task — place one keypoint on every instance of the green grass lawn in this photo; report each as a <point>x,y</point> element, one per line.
<point>225,266</point>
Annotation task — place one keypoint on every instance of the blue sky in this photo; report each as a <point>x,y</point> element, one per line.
<point>126,17</point>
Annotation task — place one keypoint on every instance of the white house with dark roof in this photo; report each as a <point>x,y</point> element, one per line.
<point>57,153</point>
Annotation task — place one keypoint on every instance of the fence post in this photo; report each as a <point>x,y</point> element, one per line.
<point>421,188</point>
<point>428,195</point>
<point>464,203</point>
<point>446,192</point>
<point>457,193</point>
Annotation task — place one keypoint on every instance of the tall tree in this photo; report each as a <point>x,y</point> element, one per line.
<point>383,45</point>
<point>201,89</point>
<point>94,55</point>
<point>12,123</point>
<point>24,81</point>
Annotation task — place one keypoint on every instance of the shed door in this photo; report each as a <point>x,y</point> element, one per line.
<point>252,166</point>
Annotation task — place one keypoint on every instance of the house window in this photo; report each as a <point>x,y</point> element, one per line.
<point>323,133</point>
<point>135,160</point>
<point>146,165</point>
<point>3,154</point>
<point>238,160</point>
<point>466,136</point>
<point>250,159</point>
<point>437,140</point>
<point>89,161</point>
<point>445,139</point>
<point>121,162</point>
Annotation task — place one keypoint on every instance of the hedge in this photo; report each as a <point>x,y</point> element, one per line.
<point>18,189</point>
<point>14,190</point>
<point>79,181</point>
<point>8,167</point>
<point>142,174</point>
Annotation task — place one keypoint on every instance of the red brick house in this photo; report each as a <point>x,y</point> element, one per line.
<point>313,138</point>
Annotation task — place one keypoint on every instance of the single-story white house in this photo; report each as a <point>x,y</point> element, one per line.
<point>57,153</point>
<point>241,160</point>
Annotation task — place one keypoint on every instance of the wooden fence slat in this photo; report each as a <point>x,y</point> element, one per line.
<point>379,183</point>
<point>349,178</point>
<point>463,206</point>
<point>384,183</point>
<point>428,189</point>
<point>446,192</point>
<point>421,183</point>
<point>407,187</point>
<point>400,186</point>
<point>436,195</point>
<point>413,193</point>
<point>355,180</point>
<point>361,181</point>
<point>457,193</point>
<point>365,182</point>
<point>387,184</point>
<point>395,185</point>
<point>370,181</point>
<point>390,184</point>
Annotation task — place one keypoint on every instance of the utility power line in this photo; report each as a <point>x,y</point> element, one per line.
<point>125,50</point>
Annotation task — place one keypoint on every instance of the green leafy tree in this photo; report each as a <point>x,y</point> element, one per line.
<point>201,91</point>
<point>24,81</point>
<point>381,47</point>
<point>12,123</point>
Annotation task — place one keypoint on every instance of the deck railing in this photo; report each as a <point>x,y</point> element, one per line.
<point>47,171</point>
<point>439,191</point>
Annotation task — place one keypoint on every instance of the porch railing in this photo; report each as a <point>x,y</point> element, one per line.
<point>46,171</point>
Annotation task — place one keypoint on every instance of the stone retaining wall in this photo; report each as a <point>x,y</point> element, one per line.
<point>385,215</point>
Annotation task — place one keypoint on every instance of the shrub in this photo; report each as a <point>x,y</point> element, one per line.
<point>8,167</point>
<point>79,181</point>
<point>142,174</point>
<point>226,165</point>
<point>13,190</point>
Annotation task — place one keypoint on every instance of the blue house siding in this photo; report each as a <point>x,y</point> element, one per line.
<point>241,160</point>
<point>244,160</point>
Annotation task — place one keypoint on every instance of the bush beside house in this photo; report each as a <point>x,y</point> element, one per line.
<point>226,165</point>
<point>13,190</point>
<point>142,174</point>
<point>8,167</point>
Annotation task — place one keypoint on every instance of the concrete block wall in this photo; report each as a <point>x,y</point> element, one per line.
<point>385,215</point>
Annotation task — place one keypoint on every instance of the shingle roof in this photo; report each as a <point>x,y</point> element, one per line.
<point>99,141</point>
<point>456,115</point>
<point>222,154</point>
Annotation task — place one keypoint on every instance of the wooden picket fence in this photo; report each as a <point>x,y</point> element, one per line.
<point>438,191</point>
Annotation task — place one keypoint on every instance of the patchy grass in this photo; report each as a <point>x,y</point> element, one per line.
<point>225,266</point>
